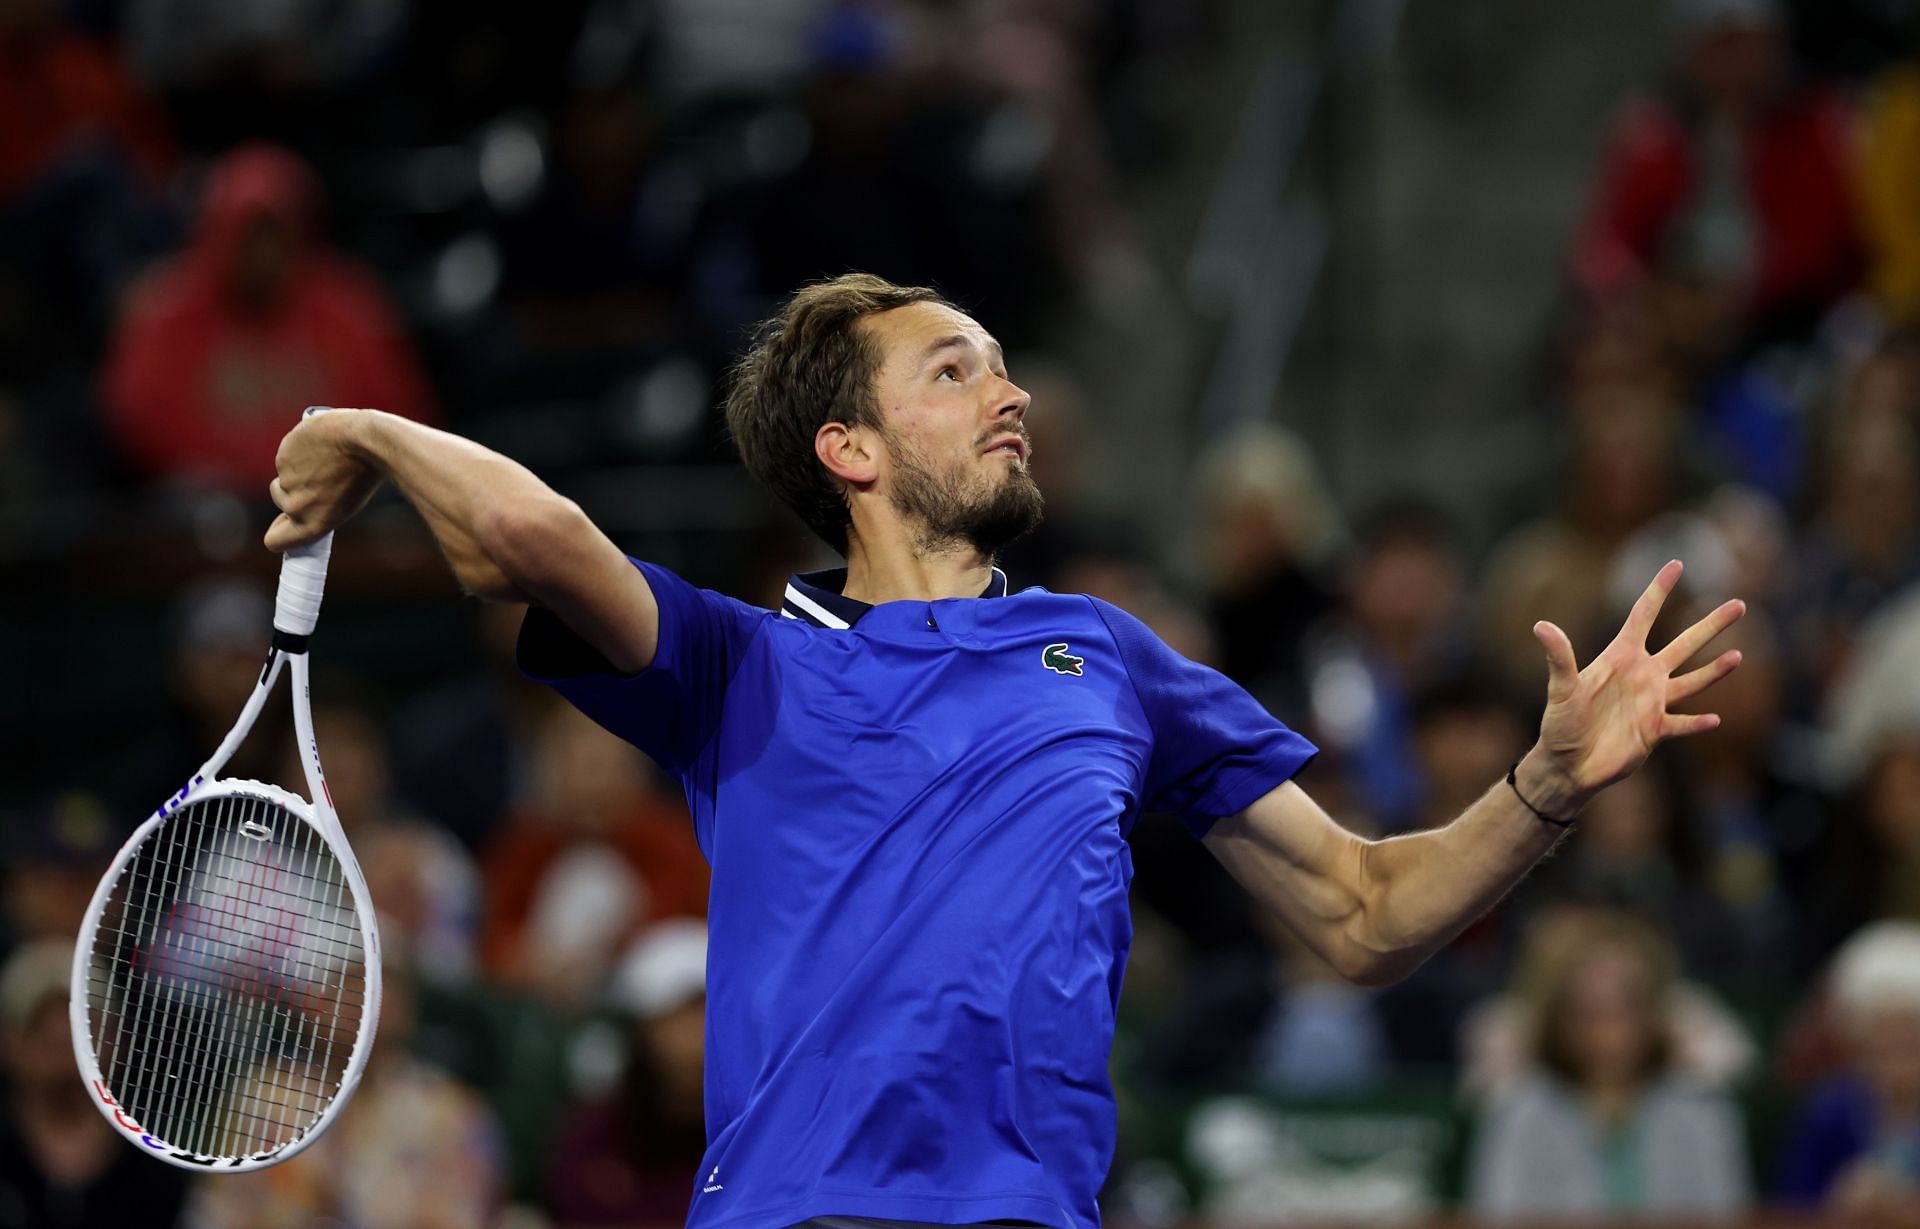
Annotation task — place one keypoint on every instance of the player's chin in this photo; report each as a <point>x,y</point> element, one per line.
<point>1013,469</point>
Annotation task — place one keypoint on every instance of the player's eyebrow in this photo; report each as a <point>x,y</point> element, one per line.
<point>960,341</point>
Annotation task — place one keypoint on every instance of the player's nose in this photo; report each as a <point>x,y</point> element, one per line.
<point>1011,401</point>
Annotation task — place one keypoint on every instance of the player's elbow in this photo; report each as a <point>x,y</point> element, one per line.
<point>1375,948</point>
<point>480,578</point>
<point>1359,953</point>
<point>528,540</point>
<point>1368,967</point>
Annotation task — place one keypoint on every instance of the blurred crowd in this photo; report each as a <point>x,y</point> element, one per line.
<point>549,223</point>
<point>578,204</point>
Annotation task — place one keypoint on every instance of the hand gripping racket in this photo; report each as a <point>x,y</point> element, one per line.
<point>226,984</point>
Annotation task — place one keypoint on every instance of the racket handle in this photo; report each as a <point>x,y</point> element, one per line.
<point>303,578</point>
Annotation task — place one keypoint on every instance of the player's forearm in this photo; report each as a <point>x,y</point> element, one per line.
<point>486,510</point>
<point>1424,888</point>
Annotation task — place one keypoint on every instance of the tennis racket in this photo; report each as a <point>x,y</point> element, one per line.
<point>226,984</point>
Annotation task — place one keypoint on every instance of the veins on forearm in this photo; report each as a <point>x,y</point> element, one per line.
<point>1432,884</point>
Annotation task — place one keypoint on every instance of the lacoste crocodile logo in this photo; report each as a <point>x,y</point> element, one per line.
<point>1056,658</point>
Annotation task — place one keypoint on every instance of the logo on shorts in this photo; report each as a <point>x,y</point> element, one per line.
<point>713,1182</point>
<point>1056,658</point>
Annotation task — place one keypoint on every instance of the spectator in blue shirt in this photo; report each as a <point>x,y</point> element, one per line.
<point>1855,1146</point>
<point>913,786</point>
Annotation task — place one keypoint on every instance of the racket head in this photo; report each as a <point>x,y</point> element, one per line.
<point>226,986</point>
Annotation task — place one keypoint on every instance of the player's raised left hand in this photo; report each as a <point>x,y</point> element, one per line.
<point>1602,722</point>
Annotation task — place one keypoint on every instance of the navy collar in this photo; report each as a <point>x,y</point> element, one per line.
<point>815,597</point>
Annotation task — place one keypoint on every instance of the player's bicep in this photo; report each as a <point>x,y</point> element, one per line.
<point>575,571</point>
<point>1294,859</point>
<point>664,695</point>
<point>613,609</point>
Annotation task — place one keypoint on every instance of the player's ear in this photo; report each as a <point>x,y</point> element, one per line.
<point>849,452</point>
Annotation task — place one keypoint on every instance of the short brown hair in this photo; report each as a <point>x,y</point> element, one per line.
<point>1552,993</point>
<point>808,365</point>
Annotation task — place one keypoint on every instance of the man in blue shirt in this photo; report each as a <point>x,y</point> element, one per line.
<point>914,786</point>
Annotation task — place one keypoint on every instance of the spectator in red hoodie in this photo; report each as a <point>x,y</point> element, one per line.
<point>219,348</point>
<point>1735,174</point>
<point>60,91</point>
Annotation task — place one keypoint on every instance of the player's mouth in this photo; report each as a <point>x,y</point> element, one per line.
<point>1015,444</point>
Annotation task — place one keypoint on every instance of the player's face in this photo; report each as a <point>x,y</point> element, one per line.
<point>956,446</point>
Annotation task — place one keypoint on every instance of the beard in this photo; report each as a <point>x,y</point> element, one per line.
<point>951,508</point>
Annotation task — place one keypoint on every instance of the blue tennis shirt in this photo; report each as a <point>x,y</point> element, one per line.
<point>916,816</point>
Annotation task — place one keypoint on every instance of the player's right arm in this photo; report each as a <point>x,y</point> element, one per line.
<point>507,535</point>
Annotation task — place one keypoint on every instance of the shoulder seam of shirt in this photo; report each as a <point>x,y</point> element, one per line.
<point>1113,637</point>
<point>1146,713</point>
<point>726,689</point>
<point>765,617</point>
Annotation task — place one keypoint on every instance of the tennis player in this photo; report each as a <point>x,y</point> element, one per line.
<point>914,784</point>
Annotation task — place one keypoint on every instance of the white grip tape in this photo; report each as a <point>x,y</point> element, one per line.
<point>303,578</point>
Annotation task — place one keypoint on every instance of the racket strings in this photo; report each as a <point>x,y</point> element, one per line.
<point>212,1009</point>
<point>228,979</point>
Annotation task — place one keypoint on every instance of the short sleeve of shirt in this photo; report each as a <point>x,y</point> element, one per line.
<point>671,709</point>
<point>1215,749</point>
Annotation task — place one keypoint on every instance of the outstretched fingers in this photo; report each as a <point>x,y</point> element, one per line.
<point>1693,682</point>
<point>1679,725</point>
<point>1647,608</point>
<point>1697,637</point>
<point>1563,669</point>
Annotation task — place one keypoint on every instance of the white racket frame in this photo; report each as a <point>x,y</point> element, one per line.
<point>303,573</point>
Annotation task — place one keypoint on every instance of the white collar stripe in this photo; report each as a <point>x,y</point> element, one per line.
<point>816,612</point>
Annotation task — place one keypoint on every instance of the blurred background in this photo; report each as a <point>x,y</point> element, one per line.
<point>1361,334</point>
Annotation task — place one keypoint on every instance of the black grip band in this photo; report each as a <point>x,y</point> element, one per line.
<point>287,642</point>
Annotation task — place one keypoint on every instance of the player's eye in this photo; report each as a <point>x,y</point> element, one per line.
<point>948,372</point>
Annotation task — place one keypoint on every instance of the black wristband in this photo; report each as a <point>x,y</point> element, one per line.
<point>1538,814</point>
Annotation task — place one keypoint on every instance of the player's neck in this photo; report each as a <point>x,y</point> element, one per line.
<point>896,572</point>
